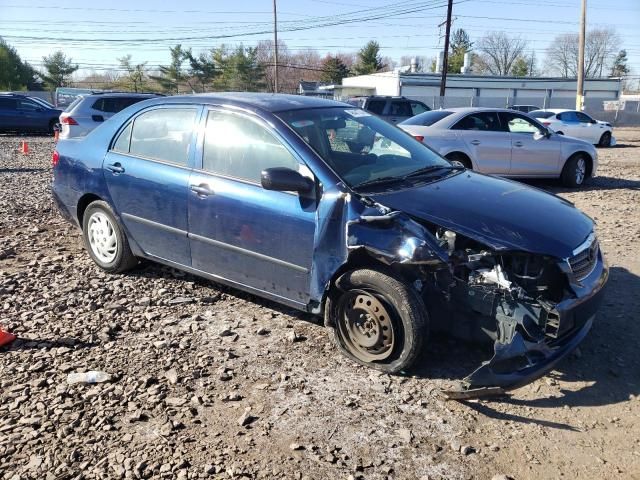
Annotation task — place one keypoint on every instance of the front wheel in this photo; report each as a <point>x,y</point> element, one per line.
<point>377,320</point>
<point>574,172</point>
<point>105,240</point>
<point>605,140</point>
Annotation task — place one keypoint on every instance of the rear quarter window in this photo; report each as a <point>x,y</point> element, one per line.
<point>541,114</point>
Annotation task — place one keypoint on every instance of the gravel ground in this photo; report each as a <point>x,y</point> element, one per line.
<point>208,382</point>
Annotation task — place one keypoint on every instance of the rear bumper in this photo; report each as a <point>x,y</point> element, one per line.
<point>68,213</point>
<point>522,360</point>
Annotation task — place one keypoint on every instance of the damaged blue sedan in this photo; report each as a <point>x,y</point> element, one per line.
<point>324,207</point>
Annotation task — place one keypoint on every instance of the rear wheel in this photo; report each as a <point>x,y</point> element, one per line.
<point>574,172</point>
<point>105,240</point>
<point>605,140</point>
<point>52,126</point>
<point>460,159</point>
<point>377,320</point>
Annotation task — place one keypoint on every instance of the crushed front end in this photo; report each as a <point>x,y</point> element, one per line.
<point>536,308</point>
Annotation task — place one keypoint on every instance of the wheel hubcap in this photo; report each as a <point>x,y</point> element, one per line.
<point>365,326</point>
<point>581,168</point>
<point>102,237</point>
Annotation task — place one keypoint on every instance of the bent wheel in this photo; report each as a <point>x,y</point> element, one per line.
<point>377,319</point>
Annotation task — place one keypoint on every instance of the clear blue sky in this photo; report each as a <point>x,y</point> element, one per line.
<point>146,28</point>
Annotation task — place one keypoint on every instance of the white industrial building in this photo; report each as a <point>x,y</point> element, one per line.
<point>482,90</point>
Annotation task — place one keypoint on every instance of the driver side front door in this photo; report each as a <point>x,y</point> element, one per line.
<point>238,231</point>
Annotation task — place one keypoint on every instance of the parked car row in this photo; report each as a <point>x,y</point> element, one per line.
<point>329,209</point>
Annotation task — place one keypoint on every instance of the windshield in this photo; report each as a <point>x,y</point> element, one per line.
<point>360,147</point>
<point>541,114</point>
<point>42,102</point>
<point>427,119</point>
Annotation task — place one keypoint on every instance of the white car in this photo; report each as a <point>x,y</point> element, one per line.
<point>88,111</point>
<point>504,142</point>
<point>576,124</point>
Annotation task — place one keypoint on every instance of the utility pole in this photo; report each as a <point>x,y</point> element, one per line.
<point>445,60</point>
<point>275,46</point>
<point>580,90</point>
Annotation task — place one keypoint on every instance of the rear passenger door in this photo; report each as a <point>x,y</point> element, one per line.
<point>239,231</point>
<point>486,140</point>
<point>147,174</point>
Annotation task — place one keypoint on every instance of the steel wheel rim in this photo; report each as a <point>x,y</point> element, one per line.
<point>581,169</point>
<point>102,237</point>
<point>366,326</point>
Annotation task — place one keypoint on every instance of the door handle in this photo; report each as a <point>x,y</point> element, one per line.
<point>115,168</point>
<point>475,142</point>
<point>201,190</point>
<point>518,144</point>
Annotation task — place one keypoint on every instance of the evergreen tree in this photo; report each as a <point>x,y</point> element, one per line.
<point>369,59</point>
<point>520,67</point>
<point>202,70</point>
<point>619,67</point>
<point>59,69</point>
<point>171,75</point>
<point>333,70</point>
<point>14,73</point>
<point>460,44</point>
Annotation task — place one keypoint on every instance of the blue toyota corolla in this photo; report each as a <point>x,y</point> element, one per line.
<point>326,208</point>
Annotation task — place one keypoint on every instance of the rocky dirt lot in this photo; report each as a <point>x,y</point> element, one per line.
<point>209,382</point>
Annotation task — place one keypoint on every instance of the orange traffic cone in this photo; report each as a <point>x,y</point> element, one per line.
<point>6,337</point>
<point>56,134</point>
<point>24,147</point>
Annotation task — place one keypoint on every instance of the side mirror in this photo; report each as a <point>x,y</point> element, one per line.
<point>282,179</point>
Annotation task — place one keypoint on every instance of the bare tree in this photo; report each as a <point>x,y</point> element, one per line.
<point>601,46</point>
<point>498,52</point>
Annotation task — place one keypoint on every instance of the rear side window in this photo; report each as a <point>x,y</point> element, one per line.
<point>482,121</point>
<point>164,134</point>
<point>427,119</point>
<point>122,143</point>
<point>400,108</point>
<point>417,108</point>
<point>237,146</point>
<point>8,103</point>
<point>115,104</point>
<point>568,117</point>
<point>376,106</point>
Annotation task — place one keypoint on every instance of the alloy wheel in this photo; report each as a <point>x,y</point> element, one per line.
<point>581,169</point>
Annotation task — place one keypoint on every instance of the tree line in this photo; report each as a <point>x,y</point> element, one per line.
<point>241,68</point>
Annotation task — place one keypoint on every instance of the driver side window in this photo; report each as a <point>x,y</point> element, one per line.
<point>240,147</point>
<point>518,124</point>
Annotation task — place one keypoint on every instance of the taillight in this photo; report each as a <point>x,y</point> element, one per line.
<point>68,121</point>
<point>419,137</point>
<point>546,124</point>
<point>55,158</point>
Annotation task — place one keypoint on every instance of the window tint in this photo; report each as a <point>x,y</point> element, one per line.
<point>237,146</point>
<point>122,143</point>
<point>8,103</point>
<point>418,108</point>
<point>376,106</point>
<point>483,121</point>
<point>568,117</point>
<point>427,118</point>
<point>541,114</point>
<point>115,104</point>
<point>519,124</point>
<point>28,105</point>
<point>400,108</point>
<point>164,134</point>
<point>583,118</point>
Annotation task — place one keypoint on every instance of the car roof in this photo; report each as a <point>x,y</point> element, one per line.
<point>270,102</point>
<point>556,110</point>
<point>119,94</point>
<point>475,109</point>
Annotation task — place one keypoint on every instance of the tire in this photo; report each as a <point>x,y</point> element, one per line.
<point>560,133</point>
<point>459,157</point>
<point>574,173</point>
<point>605,140</point>
<point>395,320</point>
<point>105,240</point>
<point>52,125</point>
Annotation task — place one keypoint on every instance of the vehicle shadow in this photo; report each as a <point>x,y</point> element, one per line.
<point>20,344</point>
<point>594,184</point>
<point>22,170</point>
<point>623,145</point>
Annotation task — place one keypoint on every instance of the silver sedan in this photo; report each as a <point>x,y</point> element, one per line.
<point>504,142</point>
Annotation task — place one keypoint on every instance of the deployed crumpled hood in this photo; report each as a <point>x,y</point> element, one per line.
<point>502,214</point>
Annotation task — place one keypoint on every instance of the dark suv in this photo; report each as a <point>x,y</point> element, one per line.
<point>22,114</point>
<point>391,109</point>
